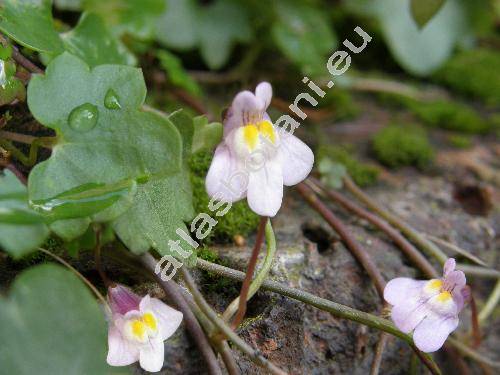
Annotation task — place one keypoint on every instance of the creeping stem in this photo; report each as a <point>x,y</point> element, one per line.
<point>173,293</point>
<point>410,251</point>
<point>261,273</point>
<point>491,303</point>
<point>334,308</point>
<point>411,233</point>
<point>224,328</point>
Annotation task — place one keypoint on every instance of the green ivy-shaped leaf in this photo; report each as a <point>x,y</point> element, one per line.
<point>332,173</point>
<point>214,28</point>
<point>135,17</point>
<point>176,73</point>
<point>21,229</point>
<point>421,51</point>
<point>91,41</point>
<point>104,137</point>
<point>197,133</point>
<point>51,324</point>
<point>221,25</point>
<point>303,34</point>
<point>30,24</point>
<point>423,10</point>
<point>176,26</point>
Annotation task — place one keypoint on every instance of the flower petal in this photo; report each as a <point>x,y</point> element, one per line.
<point>298,159</point>
<point>169,318</point>
<point>454,280</point>
<point>433,331</point>
<point>121,352</point>
<point>246,108</point>
<point>265,188</point>
<point>408,315</point>
<point>264,92</point>
<point>448,266</point>
<point>151,356</point>
<point>224,182</point>
<point>399,290</point>
<point>122,299</point>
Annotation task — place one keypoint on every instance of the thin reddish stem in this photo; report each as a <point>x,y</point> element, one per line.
<point>337,225</point>
<point>410,251</point>
<point>242,307</point>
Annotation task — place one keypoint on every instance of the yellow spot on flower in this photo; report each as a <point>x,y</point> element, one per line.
<point>251,136</point>
<point>434,285</point>
<point>444,296</point>
<point>149,320</point>
<point>267,130</point>
<point>138,328</point>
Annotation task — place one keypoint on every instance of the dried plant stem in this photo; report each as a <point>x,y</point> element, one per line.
<point>174,295</point>
<point>11,167</point>
<point>218,343</point>
<point>491,303</point>
<point>261,273</point>
<point>477,271</point>
<point>408,249</point>
<point>242,305</point>
<point>457,250</point>
<point>472,354</point>
<point>20,59</point>
<point>334,308</point>
<point>379,351</point>
<point>227,357</point>
<point>254,355</point>
<point>411,233</point>
<point>75,271</point>
<point>97,259</point>
<point>476,331</point>
<point>359,253</point>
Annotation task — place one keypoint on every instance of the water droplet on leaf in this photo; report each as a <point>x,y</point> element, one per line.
<point>111,100</point>
<point>83,118</point>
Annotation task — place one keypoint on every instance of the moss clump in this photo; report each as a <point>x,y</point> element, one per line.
<point>400,145</point>
<point>475,73</point>
<point>238,220</point>
<point>343,105</point>
<point>363,174</point>
<point>460,141</point>
<point>215,283</point>
<point>449,115</point>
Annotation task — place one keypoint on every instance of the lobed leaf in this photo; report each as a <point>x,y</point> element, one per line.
<point>104,137</point>
<point>421,51</point>
<point>30,24</point>
<point>422,11</point>
<point>53,325</point>
<point>21,229</point>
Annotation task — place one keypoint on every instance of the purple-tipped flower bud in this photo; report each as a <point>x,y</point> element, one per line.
<point>122,299</point>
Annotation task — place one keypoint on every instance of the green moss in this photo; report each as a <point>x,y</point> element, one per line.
<point>460,141</point>
<point>343,104</point>
<point>444,114</point>
<point>401,145</point>
<point>363,174</point>
<point>215,283</point>
<point>239,219</point>
<point>207,254</point>
<point>449,115</point>
<point>474,73</point>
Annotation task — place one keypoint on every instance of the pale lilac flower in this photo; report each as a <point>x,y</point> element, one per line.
<point>255,158</point>
<point>137,328</point>
<point>430,308</point>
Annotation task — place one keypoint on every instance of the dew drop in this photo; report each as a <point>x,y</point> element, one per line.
<point>111,100</point>
<point>84,117</point>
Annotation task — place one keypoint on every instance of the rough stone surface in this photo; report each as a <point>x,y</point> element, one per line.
<point>304,340</point>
